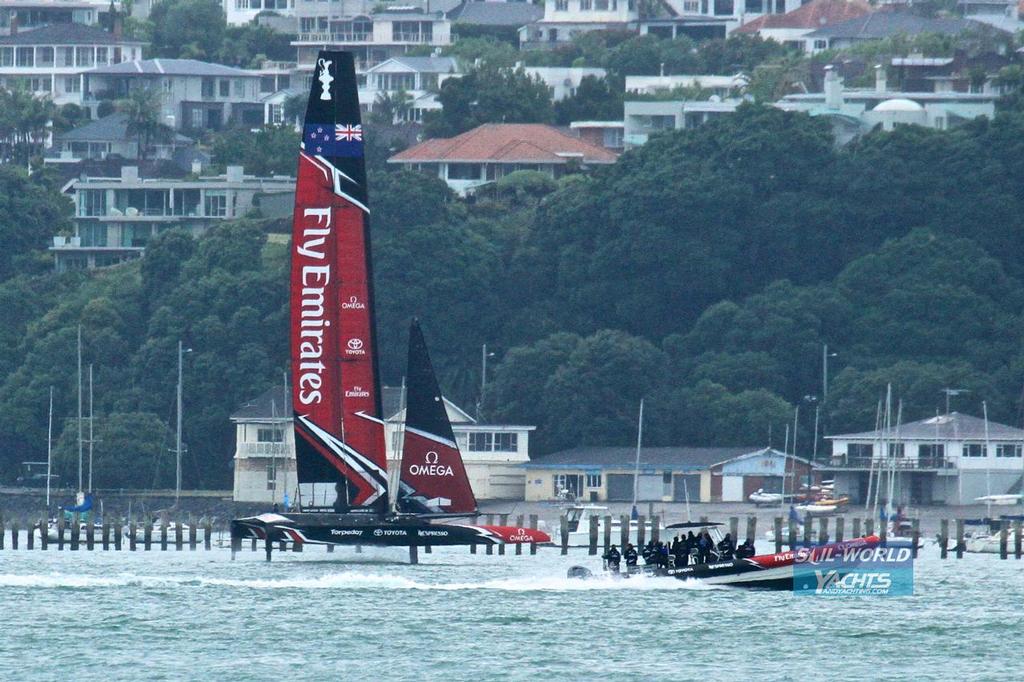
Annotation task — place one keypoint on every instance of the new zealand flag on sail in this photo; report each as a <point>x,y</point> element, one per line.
<point>333,140</point>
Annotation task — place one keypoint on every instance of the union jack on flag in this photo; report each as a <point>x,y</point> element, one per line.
<point>348,133</point>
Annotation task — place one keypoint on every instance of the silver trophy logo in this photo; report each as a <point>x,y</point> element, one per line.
<point>325,78</point>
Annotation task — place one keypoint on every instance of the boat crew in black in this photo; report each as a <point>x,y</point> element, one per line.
<point>613,558</point>
<point>631,556</point>
<point>745,550</point>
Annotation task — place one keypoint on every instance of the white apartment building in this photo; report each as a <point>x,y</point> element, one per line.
<point>240,12</point>
<point>418,77</point>
<point>22,15</point>
<point>563,80</point>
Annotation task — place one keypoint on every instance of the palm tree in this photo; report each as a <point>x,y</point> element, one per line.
<point>24,119</point>
<point>389,108</point>
<point>142,107</point>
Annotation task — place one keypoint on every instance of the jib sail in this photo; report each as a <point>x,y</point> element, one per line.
<point>433,478</point>
<point>339,438</point>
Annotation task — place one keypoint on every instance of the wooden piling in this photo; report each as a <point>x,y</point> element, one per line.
<point>427,549</point>
<point>869,527</point>
<point>533,526</point>
<point>105,535</point>
<point>30,542</point>
<point>778,534</point>
<point>944,538</point>
<point>163,533</point>
<point>840,528</point>
<point>117,536</point>
<point>90,535</point>
<point>623,531</point>
<point>808,527</point>
<point>133,535</point>
<point>1016,539</point>
<point>44,539</point>
<point>297,546</point>
<point>959,538</point>
<point>641,531</point>
<point>14,533</point>
<point>1,531</point>
<point>502,521</point>
<point>751,528</point>
<point>414,557</point>
<point>254,544</point>
<point>734,528</point>
<point>1003,536</point>
<point>193,533</point>
<point>519,545</point>
<point>490,522</point>
<point>792,536</point>
<point>147,534</point>
<point>60,531</point>
<point>563,533</point>
<point>330,549</point>
<point>823,530</point>
<point>179,534</point>
<point>655,528</point>
<point>856,527</point>
<point>281,546</point>
<point>883,531</point>
<point>607,533</point>
<point>208,533</point>
<point>76,531</point>
<point>915,537</point>
<point>268,545</point>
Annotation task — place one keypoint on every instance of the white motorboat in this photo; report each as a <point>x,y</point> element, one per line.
<point>53,532</point>
<point>579,526</point>
<point>762,499</point>
<point>770,535</point>
<point>999,500</point>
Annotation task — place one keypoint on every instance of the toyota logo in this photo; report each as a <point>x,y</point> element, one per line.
<point>355,344</point>
<point>378,532</point>
<point>430,457</point>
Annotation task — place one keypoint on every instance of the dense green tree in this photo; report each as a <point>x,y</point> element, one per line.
<point>31,213</point>
<point>142,109</point>
<point>268,151</point>
<point>488,94</point>
<point>187,29</point>
<point>594,100</point>
<point>130,450</point>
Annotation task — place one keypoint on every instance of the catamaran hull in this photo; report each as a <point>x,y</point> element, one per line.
<point>352,529</point>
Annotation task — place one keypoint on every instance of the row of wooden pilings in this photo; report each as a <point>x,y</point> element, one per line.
<point>807,539</point>
<point>146,534</point>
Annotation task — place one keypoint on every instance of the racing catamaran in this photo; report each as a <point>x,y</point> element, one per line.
<point>343,492</point>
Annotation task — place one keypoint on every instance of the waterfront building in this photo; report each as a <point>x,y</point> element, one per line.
<point>115,217</point>
<point>667,474</point>
<point>487,153</point>
<point>264,460</point>
<point>947,459</point>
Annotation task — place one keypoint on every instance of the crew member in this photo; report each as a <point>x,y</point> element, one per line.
<point>631,557</point>
<point>703,548</point>
<point>612,559</point>
<point>746,549</point>
<point>648,553</point>
<point>726,548</point>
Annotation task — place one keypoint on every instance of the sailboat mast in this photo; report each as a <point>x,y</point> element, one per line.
<point>988,468</point>
<point>177,439</point>
<point>79,408</point>
<point>49,450</point>
<point>90,427</point>
<point>636,464</point>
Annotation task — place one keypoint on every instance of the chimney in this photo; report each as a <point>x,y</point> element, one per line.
<point>197,167</point>
<point>880,80</point>
<point>129,173</point>
<point>833,88</point>
<point>234,173</point>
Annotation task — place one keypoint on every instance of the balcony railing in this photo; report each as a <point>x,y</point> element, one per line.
<point>329,37</point>
<point>264,450</point>
<point>902,463</point>
<point>404,37</point>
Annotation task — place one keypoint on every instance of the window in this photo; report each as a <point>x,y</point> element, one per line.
<point>216,204</point>
<point>586,4</point>
<point>25,56</point>
<point>974,449</point>
<point>593,480</point>
<point>931,454</point>
<point>239,88</point>
<point>266,84</point>
<point>6,56</point>
<point>224,87</point>
<point>271,476</point>
<point>896,450</point>
<point>84,56</point>
<point>101,56</point>
<point>197,118</point>
<point>506,442</point>
<point>755,6</point>
<point>65,56</point>
<point>207,90</point>
<point>72,84</point>
<point>481,442</point>
<point>93,202</point>
<point>464,171</point>
<point>307,24</point>
<point>691,6</point>
<point>44,56</point>
<point>277,114</point>
<point>1008,450</point>
<point>820,44</point>
<point>601,5</point>
<point>567,483</point>
<point>561,5</point>
<point>269,434</point>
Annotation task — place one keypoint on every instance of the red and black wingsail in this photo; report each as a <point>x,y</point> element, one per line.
<point>433,478</point>
<point>339,437</point>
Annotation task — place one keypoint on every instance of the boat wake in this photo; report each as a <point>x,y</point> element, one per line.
<point>347,580</point>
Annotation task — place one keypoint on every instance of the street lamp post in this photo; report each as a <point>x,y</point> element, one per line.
<point>825,355</point>
<point>483,379</point>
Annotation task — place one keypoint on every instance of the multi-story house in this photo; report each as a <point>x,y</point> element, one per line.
<point>239,12</point>
<point>193,94</point>
<point>565,19</point>
<point>418,77</point>
<point>116,217</point>
<point>373,33</point>
<point>702,19</point>
<point>50,60</point>
<point>791,28</point>
<point>563,80</point>
<point>265,449</point>
<point>24,15</point>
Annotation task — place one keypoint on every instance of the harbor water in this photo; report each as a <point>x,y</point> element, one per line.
<point>458,616</point>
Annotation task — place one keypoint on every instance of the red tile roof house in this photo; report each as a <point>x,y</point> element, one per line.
<point>791,27</point>
<point>487,153</point>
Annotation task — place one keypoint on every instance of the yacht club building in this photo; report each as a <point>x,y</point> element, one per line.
<point>947,459</point>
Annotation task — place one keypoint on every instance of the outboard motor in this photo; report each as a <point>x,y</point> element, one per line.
<point>579,572</point>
